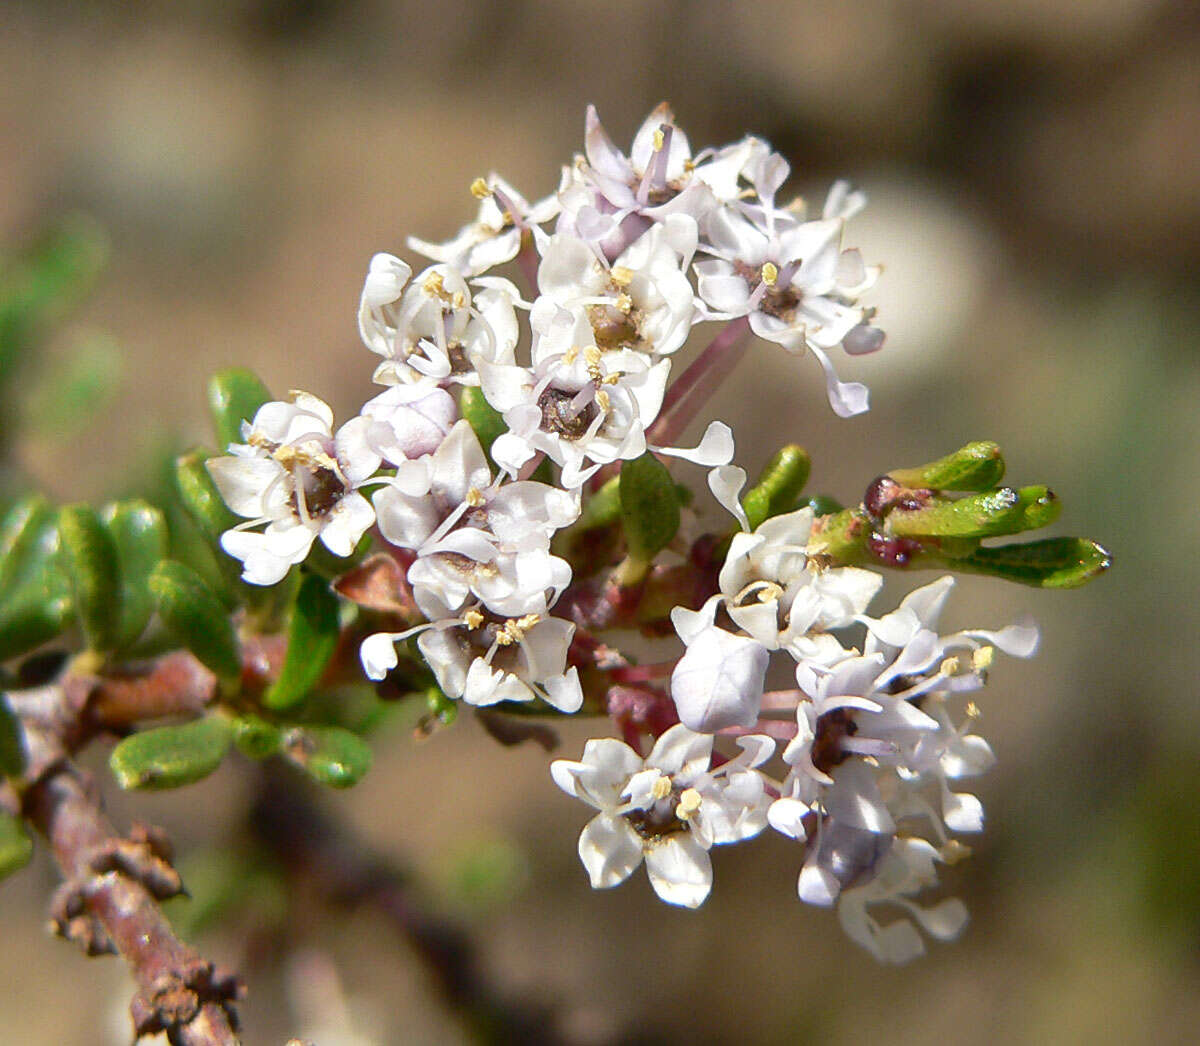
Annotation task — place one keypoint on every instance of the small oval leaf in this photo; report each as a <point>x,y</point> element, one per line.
<point>194,615</point>
<point>649,506</point>
<point>977,466</point>
<point>779,485</point>
<point>90,557</point>
<point>15,845</point>
<point>171,756</point>
<point>139,533</point>
<point>1052,563</point>
<point>234,396</point>
<point>974,516</point>
<point>312,636</point>
<point>24,524</point>
<point>331,754</point>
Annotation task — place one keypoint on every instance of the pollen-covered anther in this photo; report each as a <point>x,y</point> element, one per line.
<point>474,498</point>
<point>660,140</point>
<point>661,787</point>
<point>770,273</point>
<point>973,711</point>
<point>625,303</point>
<point>515,628</point>
<point>953,851</point>
<point>571,355</point>
<point>603,401</point>
<point>435,287</point>
<point>689,803</point>
<point>480,189</point>
<point>472,619</point>
<point>612,379</point>
<point>621,276</point>
<point>981,659</point>
<point>459,300</point>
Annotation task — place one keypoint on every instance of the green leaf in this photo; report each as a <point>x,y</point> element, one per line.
<point>12,745</point>
<point>15,845</point>
<point>976,467</point>
<point>484,419</point>
<point>139,533</point>
<point>37,612</point>
<point>90,557</point>
<point>974,516</point>
<point>312,636</point>
<point>778,486</point>
<point>171,756</point>
<point>256,738</point>
<point>1052,563</point>
<point>649,506</point>
<point>234,396</point>
<point>332,755</point>
<point>203,501</point>
<point>25,524</point>
<point>840,538</point>
<point>194,615</point>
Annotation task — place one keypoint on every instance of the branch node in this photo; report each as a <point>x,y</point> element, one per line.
<point>177,997</point>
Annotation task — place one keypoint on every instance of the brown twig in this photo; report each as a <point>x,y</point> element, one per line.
<point>109,898</point>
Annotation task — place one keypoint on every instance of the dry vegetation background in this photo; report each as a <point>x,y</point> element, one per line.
<point>1035,183</point>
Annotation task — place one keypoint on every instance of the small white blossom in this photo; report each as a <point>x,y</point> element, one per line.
<point>297,477</point>
<point>668,809</point>
<point>495,236</point>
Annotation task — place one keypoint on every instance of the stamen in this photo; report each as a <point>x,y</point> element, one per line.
<point>621,276</point>
<point>953,851</point>
<point>689,803</point>
<point>472,618</point>
<point>474,498</point>
<point>662,787</point>
<point>480,189</point>
<point>770,273</point>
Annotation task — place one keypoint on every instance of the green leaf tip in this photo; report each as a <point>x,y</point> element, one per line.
<point>171,756</point>
<point>1050,563</point>
<point>234,396</point>
<point>779,485</point>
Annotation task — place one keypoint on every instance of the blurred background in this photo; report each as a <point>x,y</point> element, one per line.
<point>1034,178</point>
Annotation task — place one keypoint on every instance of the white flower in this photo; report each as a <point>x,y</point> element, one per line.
<point>643,301</point>
<point>907,869</point>
<point>473,535</point>
<point>483,658</point>
<point>495,236</point>
<point>795,283</point>
<point>296,476</point>
<point>586,407</point>
<point>432,328</point>
<point>668,809</point>
<point>407,421</point>
<point>718,683</point>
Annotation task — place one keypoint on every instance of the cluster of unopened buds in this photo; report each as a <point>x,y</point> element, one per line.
<point>512,472</point>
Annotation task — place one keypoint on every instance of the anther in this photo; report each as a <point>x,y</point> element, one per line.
<point>480,189</point>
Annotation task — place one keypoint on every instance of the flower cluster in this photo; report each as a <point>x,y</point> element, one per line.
<point>504,415</point>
